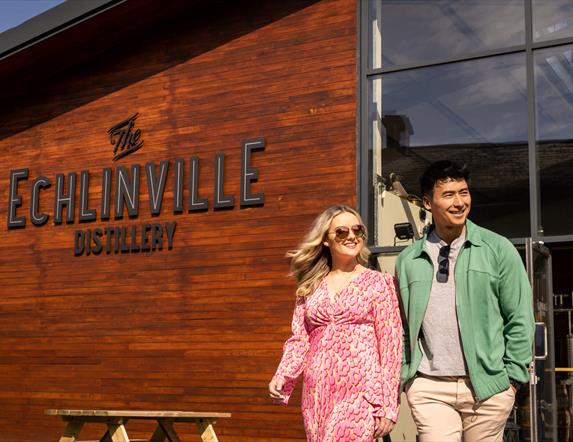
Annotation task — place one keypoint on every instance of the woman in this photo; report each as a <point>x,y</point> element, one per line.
<point>346,335</point>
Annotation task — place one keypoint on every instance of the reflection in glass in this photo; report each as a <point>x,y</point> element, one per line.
<point>544,401</point>
<point>473,112</point>
<point>552,19</point>
<point>554,119</point>
<point>414,31</point>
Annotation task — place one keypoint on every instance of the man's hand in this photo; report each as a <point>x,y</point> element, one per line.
<point>514,385</point>
<point>276,390</point>
<point>382,426</point>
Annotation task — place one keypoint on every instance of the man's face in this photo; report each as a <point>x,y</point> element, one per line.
<point>450,203</point>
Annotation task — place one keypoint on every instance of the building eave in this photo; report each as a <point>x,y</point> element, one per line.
<point>50,23</point>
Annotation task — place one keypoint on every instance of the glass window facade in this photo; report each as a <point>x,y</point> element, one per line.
<point>552,19</point>
<point>472,112</point>
<point>477,82</point>
<point>554,141</point>
<point>414,31</point>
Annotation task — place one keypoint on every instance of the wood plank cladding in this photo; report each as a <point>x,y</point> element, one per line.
<point>199,327</point>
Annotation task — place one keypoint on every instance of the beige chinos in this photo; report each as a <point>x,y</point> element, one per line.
<point>444,407</point>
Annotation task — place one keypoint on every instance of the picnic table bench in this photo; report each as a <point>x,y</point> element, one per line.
<point>115,420</point>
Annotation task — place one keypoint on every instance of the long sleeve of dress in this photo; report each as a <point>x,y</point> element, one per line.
<point>389,334</point>
<point>294,351</point>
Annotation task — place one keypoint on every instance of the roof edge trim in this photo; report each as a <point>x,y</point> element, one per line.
<point>50,23</point>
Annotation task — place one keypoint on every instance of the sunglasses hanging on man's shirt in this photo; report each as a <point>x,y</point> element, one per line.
<point>443,265</point>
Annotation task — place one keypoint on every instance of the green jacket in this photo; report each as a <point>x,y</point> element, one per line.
<point>493,304</point>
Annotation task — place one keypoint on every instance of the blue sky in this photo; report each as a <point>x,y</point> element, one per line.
<point>15,12</point>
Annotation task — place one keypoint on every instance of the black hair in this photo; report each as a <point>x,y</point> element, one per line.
<point>442,170</point>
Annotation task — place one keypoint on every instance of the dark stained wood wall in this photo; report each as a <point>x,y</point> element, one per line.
<point>199,327</point>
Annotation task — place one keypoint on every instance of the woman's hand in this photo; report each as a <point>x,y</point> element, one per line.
<point>276,390</point>
<point>382,426</point>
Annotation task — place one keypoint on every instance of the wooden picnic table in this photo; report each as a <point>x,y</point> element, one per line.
<point>115,420</point>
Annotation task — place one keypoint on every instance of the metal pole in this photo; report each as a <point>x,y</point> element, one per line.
<point>532,373</point>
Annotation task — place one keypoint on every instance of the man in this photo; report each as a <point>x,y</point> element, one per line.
<point>468,327</point>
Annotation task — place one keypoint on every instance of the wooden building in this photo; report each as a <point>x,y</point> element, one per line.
<point>185,303</point>
<point>158,158</point>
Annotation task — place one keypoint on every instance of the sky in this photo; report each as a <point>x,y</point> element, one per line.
<point>15,12</point>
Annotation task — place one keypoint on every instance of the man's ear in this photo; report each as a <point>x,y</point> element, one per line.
<point>427,203</point>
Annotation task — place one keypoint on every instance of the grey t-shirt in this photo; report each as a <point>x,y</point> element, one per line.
<point>442,353</point>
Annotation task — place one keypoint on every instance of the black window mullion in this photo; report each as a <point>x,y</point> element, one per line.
<point>534,209</point>
<point>474,56</point>
<point>362,151</point>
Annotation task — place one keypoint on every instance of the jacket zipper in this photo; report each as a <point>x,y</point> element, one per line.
<point>477,400</point>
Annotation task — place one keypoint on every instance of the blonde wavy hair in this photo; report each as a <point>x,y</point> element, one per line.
<point>311,260</point>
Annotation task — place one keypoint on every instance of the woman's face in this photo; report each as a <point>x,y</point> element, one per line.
<point>344,236</point>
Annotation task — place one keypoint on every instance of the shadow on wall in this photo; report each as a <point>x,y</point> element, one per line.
<point>119,47</point>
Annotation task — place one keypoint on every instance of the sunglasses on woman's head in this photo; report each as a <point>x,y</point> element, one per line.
<point>341,232</point>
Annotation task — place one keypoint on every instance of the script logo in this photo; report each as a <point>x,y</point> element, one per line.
<point>123,139</point>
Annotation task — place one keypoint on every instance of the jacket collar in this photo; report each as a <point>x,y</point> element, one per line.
<point>472,236</point>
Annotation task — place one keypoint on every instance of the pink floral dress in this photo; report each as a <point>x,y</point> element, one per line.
<point>349,352</point>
